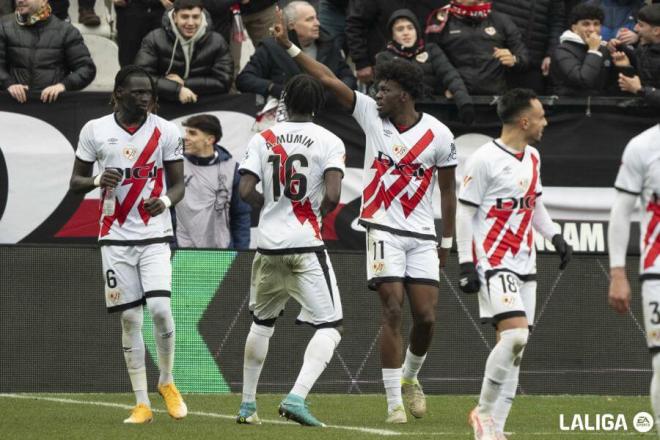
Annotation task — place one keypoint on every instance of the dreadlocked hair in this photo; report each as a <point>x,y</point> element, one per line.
<point>121,78</point>
<point>304,95</point>
<point>408,75</point>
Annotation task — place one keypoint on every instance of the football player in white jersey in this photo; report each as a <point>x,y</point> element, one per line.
<point>300,165</point>
<point>500,203</point>
<point>639,179</point>
<point>140,158</point>
<point>404,149</point>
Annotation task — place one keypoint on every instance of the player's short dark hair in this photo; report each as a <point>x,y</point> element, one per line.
<point>304,94</point>
<point>514,102</point>
<point>133,70</point>
<point>650,14</point>
<point>408,75</point>
<point>209,124</point>
<point>187,4</point>
<point>585,11</point>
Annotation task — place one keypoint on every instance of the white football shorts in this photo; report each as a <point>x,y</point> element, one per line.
<point>505,294</point>
<point>307,277</point>
<point>133,273</point>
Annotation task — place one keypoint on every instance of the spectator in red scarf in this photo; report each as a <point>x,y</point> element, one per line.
<point>440,77</point>
<point>482,44</point>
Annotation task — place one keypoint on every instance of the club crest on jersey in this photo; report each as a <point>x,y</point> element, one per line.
<point>466,180</point>
<point>507,300</point>
<point>490,30</point>
<point>114,296</point>
<point>378,266</point>
<point>129,152</point>
<point>524,183</point>
<point>399,150</point>
<point>654,335</point>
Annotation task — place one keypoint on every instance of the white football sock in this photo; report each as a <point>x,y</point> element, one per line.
<point>256,349</point>
<point>505,400</point>
<point>655,389</point>
<point>161,314</point>
<point>411,365</point>
<point>499,363</point>
<point>392,382</point>
<point>133,344</point>
<point>317,356</point>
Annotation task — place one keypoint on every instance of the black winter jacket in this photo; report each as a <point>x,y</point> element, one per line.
<point>47,53</point>
<point>577,72</point>
<point>211,67</point>
<point>270,64</point>
<point>469,45</point>
<point>540,23</point>
<point>646,64</point>
<point>439,74</point>
<point>366,25</point>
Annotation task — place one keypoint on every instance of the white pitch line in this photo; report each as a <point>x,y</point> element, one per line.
<point>374,431</point>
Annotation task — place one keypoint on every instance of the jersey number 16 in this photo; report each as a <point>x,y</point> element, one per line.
<point>295,184</point>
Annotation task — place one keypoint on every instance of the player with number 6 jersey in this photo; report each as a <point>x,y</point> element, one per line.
<point>300,166</point>
<point>140,176</point>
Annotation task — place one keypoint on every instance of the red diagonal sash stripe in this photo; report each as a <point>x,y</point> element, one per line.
<point>137,185</point>
<point>301,209</point>
<point>410,203</point>
<point>653,251</point>
<point>512,241</point>
<point>386,197</point>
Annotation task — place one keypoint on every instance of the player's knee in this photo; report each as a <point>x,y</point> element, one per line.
<point>516,338</point>
<point>131,320</point>
<point>262,330</point>
<point>392,315</point>
<point>331,333</point>
<point>425,321</point>
<point>160,310</point>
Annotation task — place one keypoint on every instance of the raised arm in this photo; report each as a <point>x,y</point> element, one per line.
<point>343,93</point>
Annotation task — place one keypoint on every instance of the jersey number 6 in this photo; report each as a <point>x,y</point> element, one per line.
<point>295,184</point>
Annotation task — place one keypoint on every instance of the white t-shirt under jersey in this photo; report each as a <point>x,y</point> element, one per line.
<point>291,159</point>
<point>139,157</point>
<point>399,170</point>
<point>504,187</point>
<point>639,174</point>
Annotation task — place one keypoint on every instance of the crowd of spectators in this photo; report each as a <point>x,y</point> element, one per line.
<point>464,47</point>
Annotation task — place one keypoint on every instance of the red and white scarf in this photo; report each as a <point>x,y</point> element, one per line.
<point>476,12</point>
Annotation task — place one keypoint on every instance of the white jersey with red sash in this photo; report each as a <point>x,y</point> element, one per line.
<point>399,170</point>
<point>639,174</point>
<point>139,157</point>
<point>504,187</point>
<point>290,159</point>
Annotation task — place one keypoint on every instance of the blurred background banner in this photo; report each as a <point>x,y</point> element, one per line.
<point>581,152</point>
<point>57,336</point>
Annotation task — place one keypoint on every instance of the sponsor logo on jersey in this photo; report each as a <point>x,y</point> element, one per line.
<point>387,132</point>
<point>148,171</point>
<point>513,203</point>
<point>112,141</point>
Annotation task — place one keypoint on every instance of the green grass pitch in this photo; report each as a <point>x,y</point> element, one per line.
<point>99,416</point>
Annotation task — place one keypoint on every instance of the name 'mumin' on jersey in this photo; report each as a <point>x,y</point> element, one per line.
<point>291,159</point>
<point>399,170</point>
<point>139,157</point>
<point>504,187</point>
<point>639,174</point>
